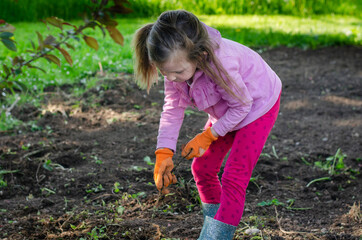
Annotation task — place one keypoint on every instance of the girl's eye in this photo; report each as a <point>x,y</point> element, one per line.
<point>179,72</point>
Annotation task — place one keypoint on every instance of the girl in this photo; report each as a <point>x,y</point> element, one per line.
<point>231,83</point>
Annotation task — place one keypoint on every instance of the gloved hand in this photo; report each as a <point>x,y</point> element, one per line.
<point>163,167</point>
<point>197,146</point>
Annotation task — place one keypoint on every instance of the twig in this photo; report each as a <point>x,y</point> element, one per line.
<point>7,112</point>
<point>36,174</point>
<point>66,221</point>
<point>280,227</point>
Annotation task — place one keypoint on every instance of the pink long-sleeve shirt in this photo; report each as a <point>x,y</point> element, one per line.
<point>259,84</point>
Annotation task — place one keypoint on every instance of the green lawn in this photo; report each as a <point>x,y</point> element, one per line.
<point>255,31</point>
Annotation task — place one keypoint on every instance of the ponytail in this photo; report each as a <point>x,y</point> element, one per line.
<point>145,72</point>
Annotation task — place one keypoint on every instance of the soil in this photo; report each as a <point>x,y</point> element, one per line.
<point>82,166</point>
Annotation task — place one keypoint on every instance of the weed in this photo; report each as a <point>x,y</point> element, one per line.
<point>98,233</point>
<point>8,122</point>
<point>139,195</point>
<point>95,189</point>
<point>147,159</point>
<point>138,168</point>
<point>275,152</point>
<point>97,160</point>
<point>47,192</point>
<point>333,164</point>
<point>116,187</point>
<point>318,180</point>
<point>25,147</point>
<point>3,183</point>
<point>47,165</point>
<point>273,202</point>
<point>254,181</point>
<point>305,161</point>
<point>138,107</point>
<point>276,202</point>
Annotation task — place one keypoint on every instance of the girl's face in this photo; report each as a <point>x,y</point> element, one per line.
<point>177,68</point>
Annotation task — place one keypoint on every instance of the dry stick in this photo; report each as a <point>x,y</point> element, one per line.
<point>280,226</point>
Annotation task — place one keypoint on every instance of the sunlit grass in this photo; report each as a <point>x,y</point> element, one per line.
<point>254,31</point>
<point>112,57</point>
<point>257,31</point>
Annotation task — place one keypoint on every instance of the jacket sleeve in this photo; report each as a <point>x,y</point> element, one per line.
<point>237,109</point>
<point>171,118</point>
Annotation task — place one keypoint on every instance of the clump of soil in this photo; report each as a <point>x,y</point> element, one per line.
<point>83,169</point>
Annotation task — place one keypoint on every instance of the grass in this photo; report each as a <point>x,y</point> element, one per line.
<point>27,10</point>
<point>256,31</point>
<point>113,57</point>
<point>289,31</point>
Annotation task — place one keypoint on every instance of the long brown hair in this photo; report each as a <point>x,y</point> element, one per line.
<point>177,30</point>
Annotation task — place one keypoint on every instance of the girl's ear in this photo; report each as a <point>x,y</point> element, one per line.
<point>203,56</point>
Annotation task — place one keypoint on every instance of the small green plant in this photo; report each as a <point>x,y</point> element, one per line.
<point>97,160</point>
<point>275,202</point>
<point>147,159</point>
<point>95,189</point>
<point>3,182</point>
<point>116,188</point>
<point>139,195</point>
<point>138,168</point>
<point>25,146</point>
<point>48,165</point>
<point>98,233</point>
<point>47,192</point>
<point>333,164</point>
<point>138,107</point>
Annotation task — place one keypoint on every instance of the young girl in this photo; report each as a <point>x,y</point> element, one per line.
<point>231,83</point>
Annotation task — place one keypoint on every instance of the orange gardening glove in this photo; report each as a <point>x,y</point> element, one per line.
<point>163,167</point>
<point>198,145</point>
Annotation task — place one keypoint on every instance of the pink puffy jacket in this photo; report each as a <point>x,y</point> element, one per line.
<point>260,85</point>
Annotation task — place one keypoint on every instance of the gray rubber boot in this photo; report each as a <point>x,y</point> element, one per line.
<point>216,230</point>
<point>209,209</point>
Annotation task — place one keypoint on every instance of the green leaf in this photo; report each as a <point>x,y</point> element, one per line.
<point>6,35</point>
<point>21,86</point>
<point>147,159</point>
<point>31,66</point>
<point>47,166</point>
<point>53,59</point>
<point>6,69</point>
<point>55,22</point>
<point>120,210</point>
<point>9,44</point>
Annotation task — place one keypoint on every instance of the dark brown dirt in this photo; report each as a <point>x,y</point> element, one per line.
<point>68,160</point>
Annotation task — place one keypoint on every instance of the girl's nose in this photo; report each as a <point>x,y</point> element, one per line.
<point>171,77</point>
